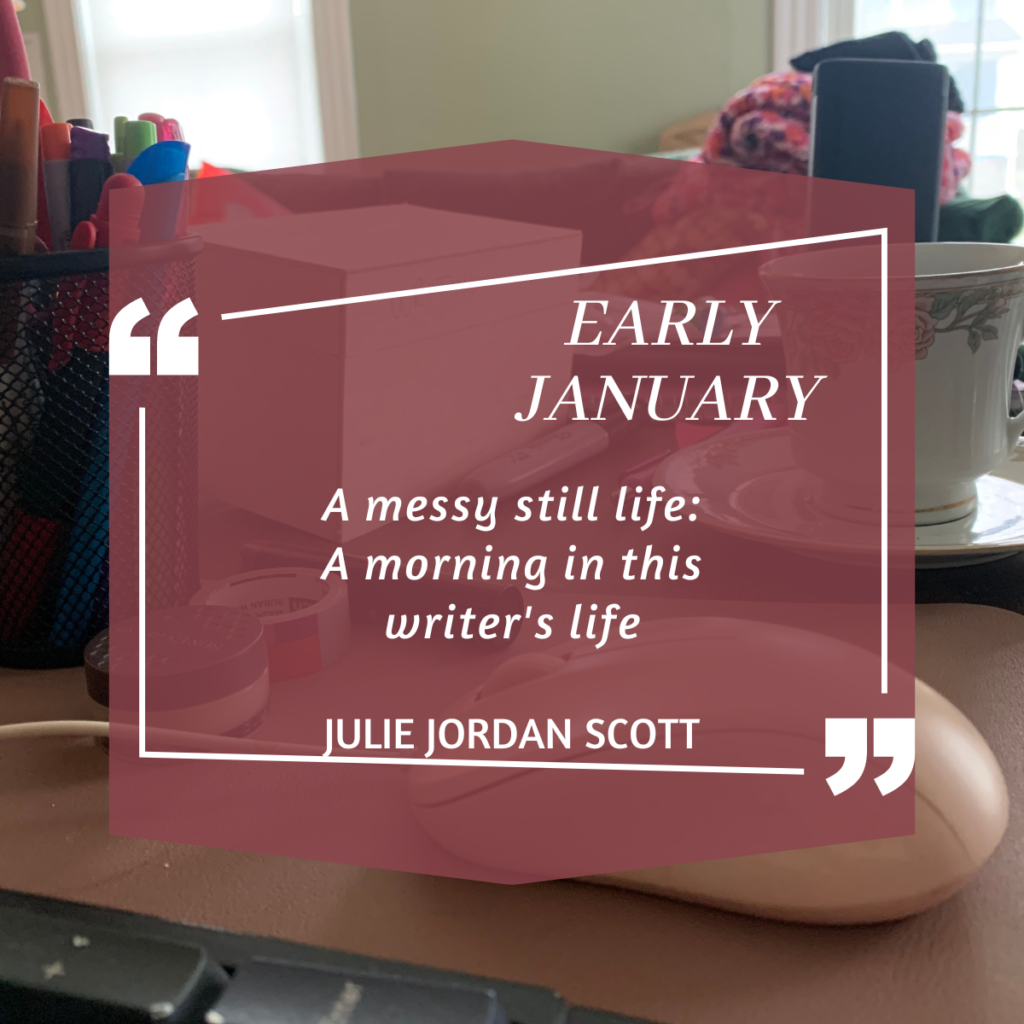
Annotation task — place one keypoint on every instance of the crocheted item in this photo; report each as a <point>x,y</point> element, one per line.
<point>712,226</point>
<point>956,164</point>
<point>766,127</point>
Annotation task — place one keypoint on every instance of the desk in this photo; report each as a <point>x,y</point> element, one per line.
<point>634,954</point>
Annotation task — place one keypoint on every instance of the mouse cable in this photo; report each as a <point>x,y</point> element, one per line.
<point>35,730</point>
<point>194,741</point>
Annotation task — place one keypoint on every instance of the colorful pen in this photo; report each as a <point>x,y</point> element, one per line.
<point>138,135</point>
<point>42,214</point>
<point>163,161</point>
<point>117,158</point>
<point>84,235</point>
<point>170,131</point>
<point>166,164</point>
<point>56,145</point>
<point>19,166</point>
<point>122,229</point>
<point>89,168</point>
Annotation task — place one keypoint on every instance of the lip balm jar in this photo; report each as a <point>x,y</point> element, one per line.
<point>97,680</point>
<point>206,670</point>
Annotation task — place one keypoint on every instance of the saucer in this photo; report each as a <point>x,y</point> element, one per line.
<point>750,486</point>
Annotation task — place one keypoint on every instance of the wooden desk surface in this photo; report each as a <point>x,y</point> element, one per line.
<point>634,954</point>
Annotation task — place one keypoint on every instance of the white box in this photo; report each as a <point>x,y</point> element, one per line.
<point>279,443</point>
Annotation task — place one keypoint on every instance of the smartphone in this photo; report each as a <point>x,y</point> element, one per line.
<point>882,122</point>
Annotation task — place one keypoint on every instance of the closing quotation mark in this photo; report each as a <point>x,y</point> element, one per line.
<point>175,355</point>
<point>848,738</point>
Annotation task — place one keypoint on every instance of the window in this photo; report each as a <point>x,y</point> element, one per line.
<point>982,43</point>
<point>254,83</point>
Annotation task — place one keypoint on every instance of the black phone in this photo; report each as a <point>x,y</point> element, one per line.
<point>882,122</point>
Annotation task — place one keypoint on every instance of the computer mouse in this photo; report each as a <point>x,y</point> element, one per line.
<point>503,817</point>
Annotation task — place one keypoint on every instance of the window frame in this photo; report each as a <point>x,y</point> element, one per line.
<point>801,25</point>
<point>332,49</point>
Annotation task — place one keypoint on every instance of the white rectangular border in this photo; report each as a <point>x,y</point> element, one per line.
<point>881,234</point>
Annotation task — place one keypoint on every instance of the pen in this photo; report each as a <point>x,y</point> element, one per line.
<point>170,131</point>
<point>84,235</point>
<point>89,167</point>
<point>138,135</point>
<point>42,214</point>
<point>117,159</point>
<point>56,147</point>
<point>124,228</point>
<point>19,166</point>
<point>163,163</point>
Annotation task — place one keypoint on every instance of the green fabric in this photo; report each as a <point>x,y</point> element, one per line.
<point>999,219</point>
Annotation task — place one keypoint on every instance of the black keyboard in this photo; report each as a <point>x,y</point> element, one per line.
<point>70,963</point>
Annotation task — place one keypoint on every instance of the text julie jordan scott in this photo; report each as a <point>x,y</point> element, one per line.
<point>481,734</point>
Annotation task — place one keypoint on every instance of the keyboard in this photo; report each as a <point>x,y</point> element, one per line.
<point>71,963</point>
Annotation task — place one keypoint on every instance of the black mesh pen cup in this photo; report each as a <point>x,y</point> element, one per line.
<point>54,452</point>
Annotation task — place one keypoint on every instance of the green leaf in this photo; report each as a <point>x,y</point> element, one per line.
<point>967,301</point>
<point>974,339</point>
<point>942,305</point>
<point>989,332</point>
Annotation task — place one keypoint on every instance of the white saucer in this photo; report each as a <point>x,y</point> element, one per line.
<point>749,485</point>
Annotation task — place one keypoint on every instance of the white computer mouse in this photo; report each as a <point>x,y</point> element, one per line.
<point>488,815</point>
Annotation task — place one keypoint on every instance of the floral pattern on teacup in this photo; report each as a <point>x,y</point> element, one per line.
<point>973,310</point>
<point>924,325</point>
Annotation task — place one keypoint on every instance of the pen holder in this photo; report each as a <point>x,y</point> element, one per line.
<point>55,452</point>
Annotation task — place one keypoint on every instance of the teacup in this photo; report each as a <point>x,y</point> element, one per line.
<point>832,330</point>
<point>969,316</point>
<point>968,319</point>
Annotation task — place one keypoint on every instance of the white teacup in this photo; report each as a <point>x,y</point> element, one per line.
<point>969,320</point>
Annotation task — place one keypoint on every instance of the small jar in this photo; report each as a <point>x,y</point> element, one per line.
<point>206,672</point>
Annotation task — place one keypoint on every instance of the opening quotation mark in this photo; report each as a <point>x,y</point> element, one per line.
<point>175,355</point>
<point>848,738</point>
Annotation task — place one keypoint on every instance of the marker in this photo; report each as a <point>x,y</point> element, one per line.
<point>19,166</point>
<point>122,229</point>
<point>117,159</point>
<point>166,164</point>
<point>163,161</point>
<point>138,135</point>
<point>80,122</point>
<point>88,170</point>
<point>84,235</point>
<point>56,146</point>
<point>42,214</point>
<point>170,131</point>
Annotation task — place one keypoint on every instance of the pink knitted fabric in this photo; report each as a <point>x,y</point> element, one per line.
<point>766,127</point>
